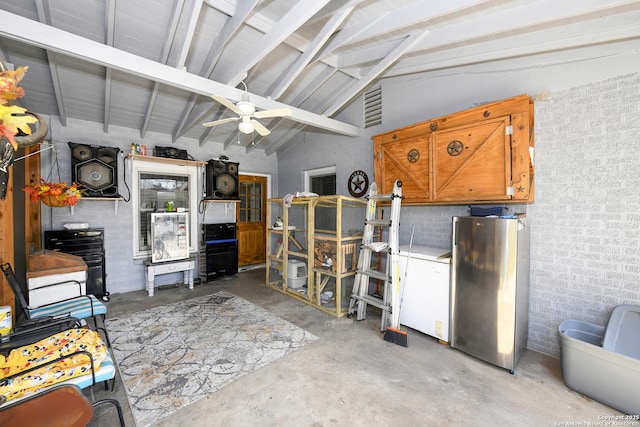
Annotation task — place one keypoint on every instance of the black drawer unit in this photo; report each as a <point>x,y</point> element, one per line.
<point>221,249</point>
<point>88,244</point>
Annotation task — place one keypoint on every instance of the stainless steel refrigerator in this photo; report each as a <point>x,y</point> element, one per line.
<point>490,288</point>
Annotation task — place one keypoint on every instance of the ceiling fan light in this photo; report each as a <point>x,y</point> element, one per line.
<point>246,108</point>
<point>245,127</point>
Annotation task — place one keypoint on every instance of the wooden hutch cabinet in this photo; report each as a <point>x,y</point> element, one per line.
<point>480,155</point>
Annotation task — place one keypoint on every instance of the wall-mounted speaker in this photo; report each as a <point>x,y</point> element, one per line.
<point>95,168</point>
<point>221,180</point>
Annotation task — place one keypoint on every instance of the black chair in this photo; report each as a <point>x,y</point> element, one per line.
<point>81,307</point>
<point>34,330</point>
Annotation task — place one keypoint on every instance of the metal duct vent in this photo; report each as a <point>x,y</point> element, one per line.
<point>373,107</point>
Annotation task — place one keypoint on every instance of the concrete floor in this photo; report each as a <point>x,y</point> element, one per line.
<point>350,376</point>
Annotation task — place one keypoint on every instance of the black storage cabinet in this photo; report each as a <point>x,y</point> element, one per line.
<point>88,244</point>
<point>221,249</point>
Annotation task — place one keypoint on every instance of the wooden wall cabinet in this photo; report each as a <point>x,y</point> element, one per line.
<point>480,155</point>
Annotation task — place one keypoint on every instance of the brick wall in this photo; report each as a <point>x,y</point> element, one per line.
<point>585,223</point>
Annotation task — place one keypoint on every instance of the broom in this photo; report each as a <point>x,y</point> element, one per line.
<point>393,333</point>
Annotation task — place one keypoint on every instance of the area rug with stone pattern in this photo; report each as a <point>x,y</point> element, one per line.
<point>172,356</point>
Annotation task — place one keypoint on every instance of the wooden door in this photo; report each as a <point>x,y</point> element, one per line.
<point>472,162</point>
<point>251,219</point>
<point>406,159</point>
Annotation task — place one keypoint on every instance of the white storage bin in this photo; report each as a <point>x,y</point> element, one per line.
<point>296,274</point>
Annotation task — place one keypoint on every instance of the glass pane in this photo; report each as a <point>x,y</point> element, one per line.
<point>250,202</point>
<point>159,193</point>
<point>324,185</point>
<point>243,195</point>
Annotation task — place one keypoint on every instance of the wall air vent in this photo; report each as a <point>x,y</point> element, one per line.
<point>373,107</point>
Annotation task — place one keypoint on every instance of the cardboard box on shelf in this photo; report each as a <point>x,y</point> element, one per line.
<point>325,255</point>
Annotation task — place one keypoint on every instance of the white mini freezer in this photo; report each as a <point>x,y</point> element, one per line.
<point>425,295</point>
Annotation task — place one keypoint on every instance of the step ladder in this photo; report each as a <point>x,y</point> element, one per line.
<point>389,300</point>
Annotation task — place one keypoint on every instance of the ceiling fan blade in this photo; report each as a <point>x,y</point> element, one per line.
<point>263,131</point>
<point>221,121</point>
<point>224,101</point>
<point>277,112</point>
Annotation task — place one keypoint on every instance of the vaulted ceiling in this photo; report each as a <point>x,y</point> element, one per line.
<point>152,65</point>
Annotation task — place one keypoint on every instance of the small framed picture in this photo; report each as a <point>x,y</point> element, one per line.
<point>169,236</point>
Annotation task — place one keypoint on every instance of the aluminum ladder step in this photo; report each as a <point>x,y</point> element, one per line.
<point>375,274</point>
<point>360,297</point>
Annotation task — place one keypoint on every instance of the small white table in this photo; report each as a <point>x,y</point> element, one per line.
<point>152,270</point>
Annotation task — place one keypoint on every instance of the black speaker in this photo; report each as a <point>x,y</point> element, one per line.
<point>170,153</point>
<point>95,168</point>
<point>221,180</point>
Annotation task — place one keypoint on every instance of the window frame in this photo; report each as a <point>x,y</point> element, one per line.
<point>312,173</point>
<point>150,167</point>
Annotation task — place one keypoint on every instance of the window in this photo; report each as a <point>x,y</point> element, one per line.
<point>324,185</point>
<point>162,187</point>
<point>321,181</point>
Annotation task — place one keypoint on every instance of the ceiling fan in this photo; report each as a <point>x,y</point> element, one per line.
<point>247,114</point>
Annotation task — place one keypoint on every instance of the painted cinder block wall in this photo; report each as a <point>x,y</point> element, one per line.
<point>124,274</point>
<point>585,222</point>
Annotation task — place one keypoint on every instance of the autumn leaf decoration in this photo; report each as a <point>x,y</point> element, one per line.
<point>55,194</point>
<point>13,119</point>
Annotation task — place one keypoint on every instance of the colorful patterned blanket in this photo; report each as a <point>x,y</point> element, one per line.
<point>66,343</point>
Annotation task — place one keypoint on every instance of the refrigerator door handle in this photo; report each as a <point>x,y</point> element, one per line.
<point>455,233</point>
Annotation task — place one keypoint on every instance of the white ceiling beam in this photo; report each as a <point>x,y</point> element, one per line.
<point>502,21</point>
<point>44,15</point>
<point>282,140</point>
<point>227,7</point>
<point>367,55</point>
<point>184,117</point>
<point>345,36</point>
<point>233,137</point>
<point>260,23</point>
<point>567,38</point>
<point>25,30</point>
<point>191,30</point>
<point>314,86</point>
<point>294,71</point>
<point>290,22</point>
<point>110,23</point>
<point>527,15</point>
<point>404,17</point>
<point>230,29</point>
<point>178,9</point>
<point>332,8</point>
<point>206,115</point>
<point>302,96</point>
<point>358,86</point>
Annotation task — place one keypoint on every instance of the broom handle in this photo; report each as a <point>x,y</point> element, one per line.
<point>406,269</point>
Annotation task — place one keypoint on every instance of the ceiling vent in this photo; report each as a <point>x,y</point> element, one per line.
<point>373,107</point>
